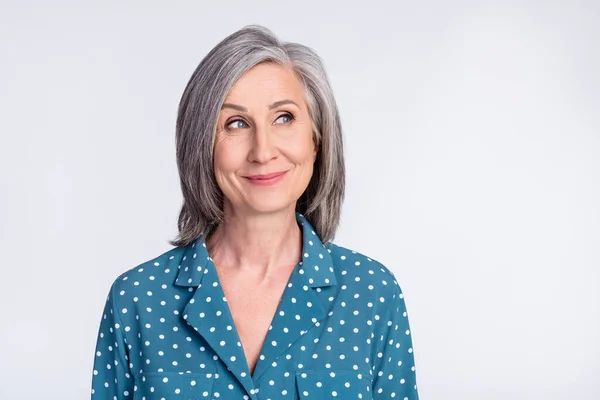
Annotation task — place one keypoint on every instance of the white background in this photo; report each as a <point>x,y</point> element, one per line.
<point>472,133</point>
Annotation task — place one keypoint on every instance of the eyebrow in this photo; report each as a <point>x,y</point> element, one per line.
<point>272,106</point>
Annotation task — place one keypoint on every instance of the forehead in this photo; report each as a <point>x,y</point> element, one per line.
<point>267,82</point>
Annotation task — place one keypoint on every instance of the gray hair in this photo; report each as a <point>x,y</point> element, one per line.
<point>197,118</point>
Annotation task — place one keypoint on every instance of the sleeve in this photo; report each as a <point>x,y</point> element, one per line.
<point>112,378</point>
<point>394,373</point>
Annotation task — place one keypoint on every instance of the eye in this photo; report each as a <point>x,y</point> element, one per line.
<point>237,124</point>
<point>287,118</point>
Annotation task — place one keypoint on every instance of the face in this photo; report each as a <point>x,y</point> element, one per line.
<point>264,150</point>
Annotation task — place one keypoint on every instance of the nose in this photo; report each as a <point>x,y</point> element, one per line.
<point>263,148</point>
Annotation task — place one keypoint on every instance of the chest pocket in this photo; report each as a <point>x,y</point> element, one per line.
<point>333,384</point>
<point>174,386</point>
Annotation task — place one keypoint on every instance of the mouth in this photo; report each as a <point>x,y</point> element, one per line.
<point>266,179</point>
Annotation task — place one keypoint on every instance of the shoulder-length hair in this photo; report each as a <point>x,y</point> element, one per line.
<point>197,117</point>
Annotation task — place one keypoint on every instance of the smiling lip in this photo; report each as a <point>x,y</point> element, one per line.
<point>267,179</point>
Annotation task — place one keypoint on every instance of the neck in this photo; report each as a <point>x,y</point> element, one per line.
<point>258,242</point>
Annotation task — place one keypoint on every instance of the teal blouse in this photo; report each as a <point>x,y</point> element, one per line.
<point>340,331</point>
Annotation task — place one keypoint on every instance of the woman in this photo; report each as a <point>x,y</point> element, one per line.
<point>255,302</point>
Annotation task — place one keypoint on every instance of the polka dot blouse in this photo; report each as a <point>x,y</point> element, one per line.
<point>340,331</point>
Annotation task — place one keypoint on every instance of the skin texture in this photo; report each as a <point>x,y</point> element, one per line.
<point>263,127</point>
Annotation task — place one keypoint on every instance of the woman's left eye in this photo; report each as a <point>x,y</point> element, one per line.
<point>287,118</point>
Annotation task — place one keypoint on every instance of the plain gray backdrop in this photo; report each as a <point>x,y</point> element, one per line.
<point>472,134</point>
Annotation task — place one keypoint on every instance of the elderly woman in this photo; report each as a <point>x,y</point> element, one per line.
<point>255,301</point>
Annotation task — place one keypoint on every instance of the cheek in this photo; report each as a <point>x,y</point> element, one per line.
<point>225,165</point>
<point>302,149</point>
<point>226,157</point>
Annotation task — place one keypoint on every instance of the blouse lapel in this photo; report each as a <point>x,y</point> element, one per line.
<point>304,303</point>
<point>208,313</point>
